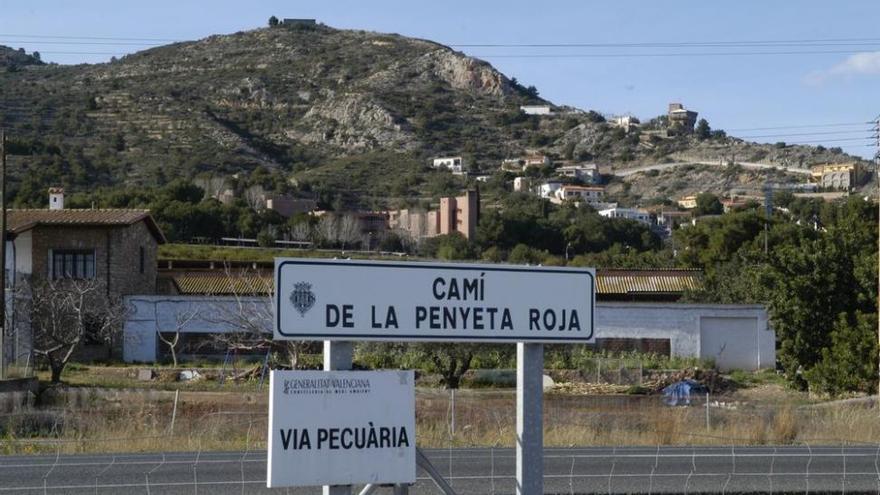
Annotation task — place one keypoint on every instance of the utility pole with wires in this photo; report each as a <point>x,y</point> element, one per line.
<point>877,175</point>
<point>3,329</point>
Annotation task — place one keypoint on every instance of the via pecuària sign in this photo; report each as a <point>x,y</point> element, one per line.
<point>457,302</point>
<point>341,428</point>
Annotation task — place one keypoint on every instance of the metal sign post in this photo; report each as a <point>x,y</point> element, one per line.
<point>337,356</point>
<point>529,419</point>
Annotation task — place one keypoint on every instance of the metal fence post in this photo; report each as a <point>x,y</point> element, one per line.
<point>174,410</point>
<point>452,395</point>
<point>707,411</point>
<point>337,356</point>
<point>529,419</point>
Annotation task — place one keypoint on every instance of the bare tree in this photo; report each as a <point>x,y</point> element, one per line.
<point>255,197</point>
<point>301,231</point>
<point>349,230</point>
<point>327,229</point>
<point>213,185</point>
<point>65,313</point>
<point>247,316</point>
<point>181,320</point>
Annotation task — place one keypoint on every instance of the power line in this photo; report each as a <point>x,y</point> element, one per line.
<point>676,44</point>
<point>681,54</point>
<point>820,141</point>
<point>805,134</point>
<point>81,53</point>
<point>110,43</point>
<point>802,126</point>
<point>40,36</point>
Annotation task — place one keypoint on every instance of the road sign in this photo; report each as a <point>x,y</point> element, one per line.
<point>341,428</point>
<point>374,300</point>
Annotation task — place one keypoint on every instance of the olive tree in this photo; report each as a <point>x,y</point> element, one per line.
<point>66,313</point>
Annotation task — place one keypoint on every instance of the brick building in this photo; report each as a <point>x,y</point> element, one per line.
<point>117,248</point>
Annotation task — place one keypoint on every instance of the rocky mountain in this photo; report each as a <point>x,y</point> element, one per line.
<point>312,103</point>
<point>12,59</point>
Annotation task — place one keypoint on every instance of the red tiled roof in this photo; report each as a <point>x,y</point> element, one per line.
<point>18,221</point>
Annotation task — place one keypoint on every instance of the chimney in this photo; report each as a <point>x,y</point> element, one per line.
<point>56,198</point>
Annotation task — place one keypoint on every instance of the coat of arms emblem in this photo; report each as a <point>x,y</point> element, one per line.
<point>302,297</point>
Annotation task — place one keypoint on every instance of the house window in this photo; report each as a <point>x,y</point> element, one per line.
<point>73,264</point>
<point>143,260</point>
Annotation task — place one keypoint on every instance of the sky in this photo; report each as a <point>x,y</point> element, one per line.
<point>726,83</point>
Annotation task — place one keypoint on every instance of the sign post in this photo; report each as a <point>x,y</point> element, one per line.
<point>337,356</point>
<point>341,301</point>
<point>529,419</point>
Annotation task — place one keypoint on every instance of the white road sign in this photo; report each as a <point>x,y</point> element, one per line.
<point>341,428</point>
<point>374,300</point>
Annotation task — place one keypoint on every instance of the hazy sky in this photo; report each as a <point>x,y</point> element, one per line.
<point>731,91</point>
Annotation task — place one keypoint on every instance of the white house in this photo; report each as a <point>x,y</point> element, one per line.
<point>589,195</point>
<point>536,109</point>
<point>454,164</point>
<point>548,189</point>
<point>522,184</point>
<point>628,213</point>
<point>625,122</point>
<point>588,172</point>
<point>536,160</point>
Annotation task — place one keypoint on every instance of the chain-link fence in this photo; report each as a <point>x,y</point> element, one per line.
<point>119,441</point>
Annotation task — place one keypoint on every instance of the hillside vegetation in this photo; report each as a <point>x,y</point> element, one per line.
<point>355,113</point>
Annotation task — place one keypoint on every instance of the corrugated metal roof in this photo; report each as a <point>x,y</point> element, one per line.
<point>222,284</point>
<point>25,219</point>
<point>647,281</point>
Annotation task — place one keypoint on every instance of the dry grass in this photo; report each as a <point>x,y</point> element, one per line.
<point>141,422</point>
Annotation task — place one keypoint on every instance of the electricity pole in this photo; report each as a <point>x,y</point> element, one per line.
<point>877,173</point>
<point>3,255</point>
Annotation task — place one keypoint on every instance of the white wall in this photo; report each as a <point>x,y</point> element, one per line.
<point>194,314</point>
<point>24,246</point>
<point>735,336</point>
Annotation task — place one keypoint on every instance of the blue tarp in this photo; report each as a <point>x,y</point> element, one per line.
<point>681,393</point>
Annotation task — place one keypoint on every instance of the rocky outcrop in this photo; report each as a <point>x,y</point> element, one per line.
<point>463,73</point>
<point>353,122</point>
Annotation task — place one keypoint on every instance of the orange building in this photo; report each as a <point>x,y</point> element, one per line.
<point>460,214</point>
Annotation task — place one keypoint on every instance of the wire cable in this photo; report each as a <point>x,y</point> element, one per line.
<point>677,44</point>
<point>859,131</point>
<point>661,55</point>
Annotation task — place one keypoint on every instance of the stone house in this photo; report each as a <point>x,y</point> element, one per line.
<point>118,248</point>
<point>681,120</point>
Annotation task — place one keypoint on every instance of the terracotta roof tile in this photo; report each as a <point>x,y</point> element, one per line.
<point>25,219</point>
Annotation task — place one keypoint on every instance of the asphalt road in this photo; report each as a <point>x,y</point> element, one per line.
<point>825,469</point>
